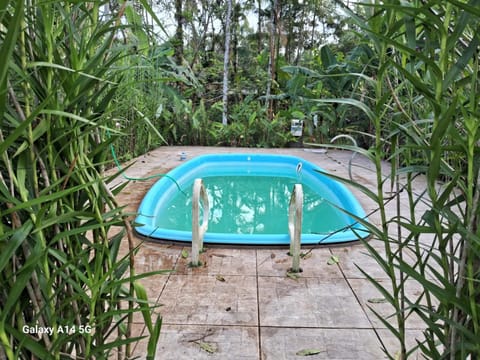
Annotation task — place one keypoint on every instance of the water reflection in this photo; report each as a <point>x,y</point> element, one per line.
<point>246,205</point>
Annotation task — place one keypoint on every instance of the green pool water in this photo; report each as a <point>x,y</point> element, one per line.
<point>252,205</point>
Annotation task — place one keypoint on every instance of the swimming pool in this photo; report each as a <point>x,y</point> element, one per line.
<point>249,197</point>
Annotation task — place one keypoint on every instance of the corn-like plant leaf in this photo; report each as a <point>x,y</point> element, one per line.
<point>351,102</point>
<point>22,277</point>
<point>354,184</point>
<point>470,7</point>
<point>8,45</point>
<point>153,339</point>
<point>10,242</point>
<point>459,66</point>
<point>36,348</point>
<point>39,64</point>
<point>141,294</point>
<point>152,127</point>
<point>107,347</point>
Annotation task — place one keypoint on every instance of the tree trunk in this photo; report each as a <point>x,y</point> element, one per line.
<point>179,32</point>
<point>259,27</point>
<point>272,58</point>
<point>226,60</point>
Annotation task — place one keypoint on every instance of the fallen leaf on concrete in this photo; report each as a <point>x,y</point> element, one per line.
<point>184,254</point>
<point>308,352</point>
<point>220,278</point>
<point>333,260</point>
<point>377,300</point>
<point>293,275</point>
<point>208,347</point>
<point>306,255</point>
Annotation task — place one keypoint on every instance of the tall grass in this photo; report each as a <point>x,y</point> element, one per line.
<point>426,121</point>
<point>61,228</point>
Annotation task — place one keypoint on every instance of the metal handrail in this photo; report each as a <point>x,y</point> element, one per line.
<point>295,214</point>
<point>198,231</point>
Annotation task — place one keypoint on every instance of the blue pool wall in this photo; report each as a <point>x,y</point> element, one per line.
<point>229,164</point>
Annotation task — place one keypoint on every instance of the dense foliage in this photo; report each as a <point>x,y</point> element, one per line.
<point>401,77</point>
<point>176,81</point>
<point>65,290</point>
<point>425,116</point>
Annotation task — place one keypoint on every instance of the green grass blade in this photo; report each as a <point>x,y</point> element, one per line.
<point>141,294</point>
<point>8,45</point>
<point>36,348</point>
<point>153,340</point>
<point>8,246</point>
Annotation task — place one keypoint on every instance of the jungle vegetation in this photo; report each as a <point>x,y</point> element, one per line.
<point>77,77</point>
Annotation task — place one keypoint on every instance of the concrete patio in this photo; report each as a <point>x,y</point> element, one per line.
<point>241,304</point>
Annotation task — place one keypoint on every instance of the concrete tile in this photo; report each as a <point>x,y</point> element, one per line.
<point>308,302</point>
<point>209,299</point>
<point>370,297</point>
<point>222,261</point>
<point>226,342</point>
<point>314,264</point>
<point>154,257</point>
<point>333,344</point>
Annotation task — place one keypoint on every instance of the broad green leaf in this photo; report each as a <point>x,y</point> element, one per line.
<point>459,66</point>
<point>22,278</point>
<point>37,349</point>
<point>151,126</point>
<point>39,64</point>
<point>352,102</point>
<point>327,56</point>
<point>153,339</point>
<point>8,45</point>
<point>141,294</point>
<point>8,245</point>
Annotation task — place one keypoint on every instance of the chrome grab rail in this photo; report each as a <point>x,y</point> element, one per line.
<point>295,214</point>
<point>198,231</point>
